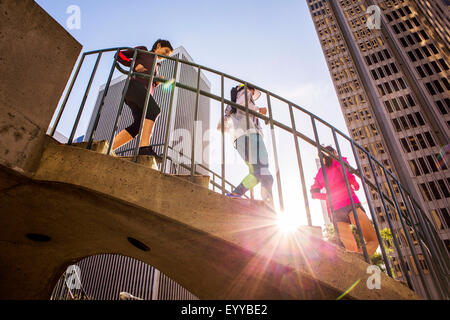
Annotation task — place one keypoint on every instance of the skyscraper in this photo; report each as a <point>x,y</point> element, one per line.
<point>392,83</point>
<point>183,111</point>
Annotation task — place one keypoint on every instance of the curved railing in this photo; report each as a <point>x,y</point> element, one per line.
<point>413,233</point>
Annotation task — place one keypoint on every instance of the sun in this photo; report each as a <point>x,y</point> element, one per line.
<point>288,222</point>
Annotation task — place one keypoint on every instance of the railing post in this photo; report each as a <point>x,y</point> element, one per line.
<point>275,153</point>
<point>350,195</point>
<point>222,130</point>
<point>86,93</point>
<point>69,91</point>
<point>102,101</point>
<point>169,119</point>
<point>144,111</point>
<point>324,173</point>
<point>300,167</point>
<point>122,101</point>
<point>194,131</point>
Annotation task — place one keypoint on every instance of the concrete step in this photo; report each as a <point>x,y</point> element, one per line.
<point>202,180</point>
<point>97,146</point>
<point>148,161</point>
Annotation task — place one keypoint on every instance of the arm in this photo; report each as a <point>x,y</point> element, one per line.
<point>351,178</point>
<point>317,186</point>
<point>125,57</point>
<point>225,118</point>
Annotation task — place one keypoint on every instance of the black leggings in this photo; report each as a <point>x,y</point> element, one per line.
<point>135,99</point>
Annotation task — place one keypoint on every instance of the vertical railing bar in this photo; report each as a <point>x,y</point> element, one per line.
<point>407,235</point>
<point>102,101</point>
<point>372,211</point>
<point>83,102</point>
<point>275,153</point>
<point>169,119</point>
<point>349,191</point>
<point>324,173</point>
<point>393,231</point>
<point>122,101</point>
<point>300,168</point>
<point>144,111</point>
<point>247,144</point>
<point>222,131</point>
<point>420,242</point>
<point>194,128</point>
<point>66,98</point>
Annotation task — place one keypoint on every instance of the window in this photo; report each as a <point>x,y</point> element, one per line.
<point>421,141</point>
<point>435,66</point>
<point>394,68</point>
<point>388,106</point>
<point>402,83</point>
<point>425,192</point>
<point>444,188</point>
<point>419,118</point>
<point>411,56</point>
<point>429,139</point>
<point>419,53</point>
<point>410,100</point>
<point>441,107</point>
<point>435,190</point>
<point>438,86</point>
<point>413,142</point>
<point>420,71</point>
<point>443,64</point>
<point>412,121</point>
<point>396,125</point>
<point>432,163</point>
<point>405,145</point>
<point>414,167</point>
<point>428,69</point>
<point>430,88</point>
<point>423,165</point>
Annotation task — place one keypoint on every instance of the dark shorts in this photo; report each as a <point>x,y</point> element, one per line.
<point>343,214</point>
<point>135,99</point>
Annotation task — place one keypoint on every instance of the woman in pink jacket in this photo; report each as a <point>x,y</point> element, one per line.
<point>342,206</point>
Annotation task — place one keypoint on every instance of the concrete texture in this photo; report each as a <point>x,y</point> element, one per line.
<point>36,58</point>
<point>216,247</point>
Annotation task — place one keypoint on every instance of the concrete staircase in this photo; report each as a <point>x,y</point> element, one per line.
<point>148,161</point>
<point>89,203</point>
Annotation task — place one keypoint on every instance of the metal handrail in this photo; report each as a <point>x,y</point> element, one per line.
<point>412,218</point>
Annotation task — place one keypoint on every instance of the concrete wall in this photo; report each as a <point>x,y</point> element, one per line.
<point>36,58</point>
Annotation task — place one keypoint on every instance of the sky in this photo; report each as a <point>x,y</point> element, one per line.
<point>272,44</point>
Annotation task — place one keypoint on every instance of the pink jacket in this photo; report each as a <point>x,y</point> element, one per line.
<point>339,194</point>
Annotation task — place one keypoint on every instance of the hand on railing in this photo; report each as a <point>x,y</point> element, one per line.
<point>263,111</point>
<point>140,68</point>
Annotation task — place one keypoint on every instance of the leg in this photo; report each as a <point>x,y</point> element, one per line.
<point>367,229</point>
<point>147,132</point>
<point>261,167</point>
<point>347,238</point>
<point>122,138</point>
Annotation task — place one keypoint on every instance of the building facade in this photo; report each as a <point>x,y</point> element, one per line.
<point>105,276</point>
<point>392,84</point>
<point>183,112</point>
